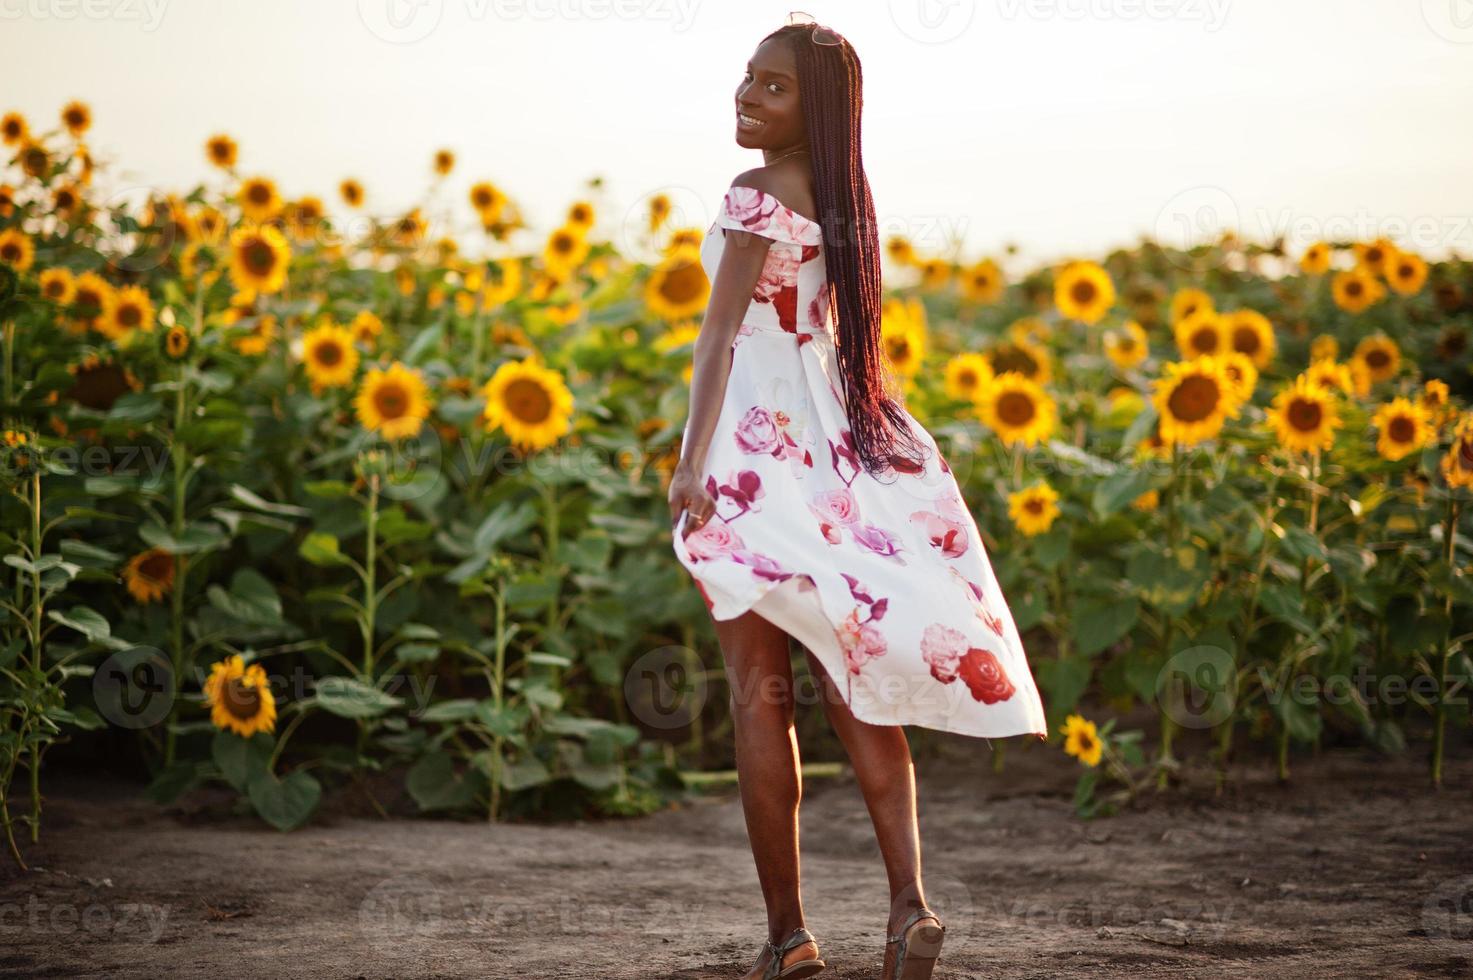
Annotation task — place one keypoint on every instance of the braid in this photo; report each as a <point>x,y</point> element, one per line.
<point>830,86</point>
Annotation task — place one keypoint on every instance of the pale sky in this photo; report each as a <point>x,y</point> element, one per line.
<point>1066,126</point>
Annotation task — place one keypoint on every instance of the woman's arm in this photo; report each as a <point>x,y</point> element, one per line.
<point>736,278</point>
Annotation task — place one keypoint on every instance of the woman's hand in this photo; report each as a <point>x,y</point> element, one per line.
<point>687,494</point>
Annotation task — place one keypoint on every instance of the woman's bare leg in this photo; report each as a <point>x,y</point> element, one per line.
<point>760,675</point>
<point>880,755</point>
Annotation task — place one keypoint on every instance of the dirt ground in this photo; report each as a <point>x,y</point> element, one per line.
<point>1355,869</point>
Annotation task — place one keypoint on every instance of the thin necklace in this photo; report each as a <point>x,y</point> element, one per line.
<point>801,149</point>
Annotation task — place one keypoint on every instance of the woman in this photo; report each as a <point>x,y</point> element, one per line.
<point>809,503</point>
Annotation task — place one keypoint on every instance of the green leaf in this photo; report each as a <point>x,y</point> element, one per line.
<point>198,537</point>
<point>449,712</point>
<point>174,782</point>
<point>89,622</point>
<point>417,653</point>
<point>1118,491</point>
<point>1100,622</point>
<point>135,406</point>
<point>241,760</point>
<point>433,783</point>
<point>504,522</point>
<point>253,500</point>
<point>252,599</point>
<point>347,697</point>
<point>321,549</point>
<point>328,489</point>
<point>526,772</point>
<point>285,803</point>
<point>529,592</point>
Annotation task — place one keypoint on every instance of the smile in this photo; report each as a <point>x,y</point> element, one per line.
<point>749,122</point>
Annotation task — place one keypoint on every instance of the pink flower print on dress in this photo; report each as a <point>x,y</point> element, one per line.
<point>762,566</point>
<point>779,272</point>
<point>714,539</point>
<point>743,488</point>
<point>757,432</point>
<point>942,648</point>
<point>978,600</point>
<point>754,209</point>
<point>982,672</point>
<point>860,641</point>
<point>834,509</point>
<point>874,538</point>
<point>844,458</point>
<point>947,536</point>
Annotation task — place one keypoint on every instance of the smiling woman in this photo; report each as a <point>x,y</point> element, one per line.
<point>809,503</point>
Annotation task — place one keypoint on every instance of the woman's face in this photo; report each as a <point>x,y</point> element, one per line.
<point>768,96</point>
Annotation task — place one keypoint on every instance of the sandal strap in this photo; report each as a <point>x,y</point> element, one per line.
<point>796,938</point>
<point>912,919</point>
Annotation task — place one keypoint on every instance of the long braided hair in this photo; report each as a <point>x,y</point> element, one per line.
<point>830,90</point>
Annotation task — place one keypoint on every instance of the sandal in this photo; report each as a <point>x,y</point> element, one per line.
<point>793,971</point>
<point>916,957</point>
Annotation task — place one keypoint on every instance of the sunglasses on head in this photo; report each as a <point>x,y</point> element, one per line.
<point>817,33</point>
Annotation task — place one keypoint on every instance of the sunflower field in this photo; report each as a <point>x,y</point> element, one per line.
<point>301,498</point>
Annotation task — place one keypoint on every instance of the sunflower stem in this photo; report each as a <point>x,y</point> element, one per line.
<point>1167,727</point>
<point>176,593</point>
<point>38,671</point>
<point>498,680</point>
<point>1450,532</point>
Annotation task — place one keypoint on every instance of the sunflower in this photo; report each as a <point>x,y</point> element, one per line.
<point>410,229</point>
<point>149,575</point>
<point>1379,355</point>
<point>13,128</point>
<point>351,191</point>
<point>444,162</point>
<point>1201,333</point>
<point>221,151</point>
<point>1304,416</point>
<point>1029,329</point>
<point>580,215</point>
<point>240,697</point>
<point>258,199</point>
<point>209,226</point>
<point>1194,398</point>
<point>129,309</point>
<point>967,375</point>
<point>1082,740</point>
<point>34,159</point>
<point>1033,509</point>
<point>530,402</point>
<point>16,249</point>
<point>900,250</point>
<point>982,282</point>
<point>1084,291</point>
<point>58,286</point>
<point>175,343</point>
<point>505,283</point>
<point>1434,398</point>
<point>1403,426</point>
<point>1324,346</point>
<point>1018,410</point>
<point>1027,358</point>
<point>66,199</point>
<point>1407,273</point>
<point>678,335</point>
<point>259,256</point>
<point>566,248</point>
<point>1332,376</point>
<point>7,200</point>
<point>1242,372</point>
<point>903,334</point>
<point>1127,346</point>
<point>1356,290</point>
<point>1148,501</point>
<point>1316,259</point>
<point>366,328</point>
<point>329,356</point>
<point>1187,302</point>
<point>486,198</point>
<point>1250,332</point>
<point>393,401</point>
<point>258,338</point>
<point>1375,256</point>
<point>1457,464</point>
<point>935,273</point>
<point>678,287</point>
<point>659,211</point>
<point>684,238</point>
<point>76,117</point>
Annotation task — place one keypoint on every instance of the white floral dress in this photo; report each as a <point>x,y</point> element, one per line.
<point>883,577</point>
